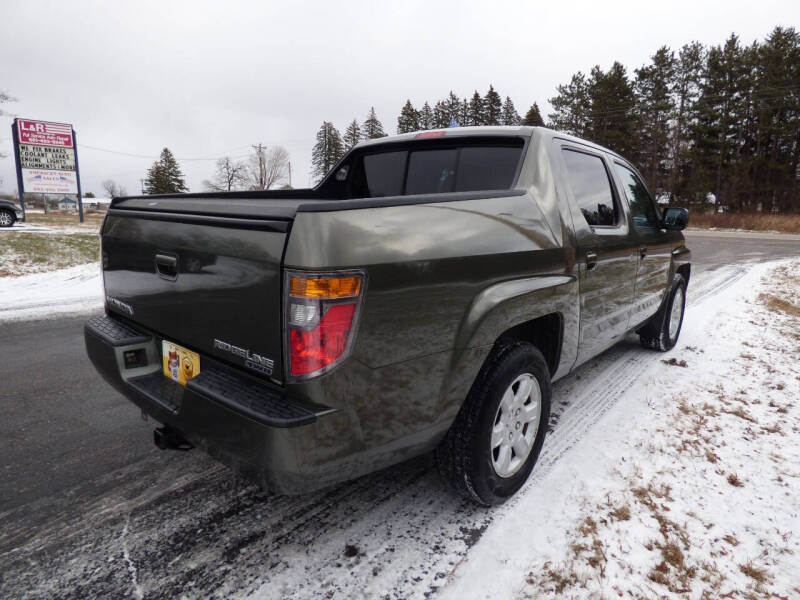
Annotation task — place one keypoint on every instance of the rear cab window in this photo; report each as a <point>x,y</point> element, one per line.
<point>454,166</point>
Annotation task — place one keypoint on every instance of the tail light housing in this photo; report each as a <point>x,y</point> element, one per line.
<point>321,317</point>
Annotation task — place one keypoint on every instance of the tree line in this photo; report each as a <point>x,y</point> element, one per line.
<point>452,111</point>
<point>703,122</point>
<point>721,120</point>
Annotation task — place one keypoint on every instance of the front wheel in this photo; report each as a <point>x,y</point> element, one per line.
<point>663,330</point>
<point>7,218</point>
<point>495,441</point>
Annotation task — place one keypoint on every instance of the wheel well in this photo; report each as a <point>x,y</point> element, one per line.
<point>545,333</point>
<point>685,271</point>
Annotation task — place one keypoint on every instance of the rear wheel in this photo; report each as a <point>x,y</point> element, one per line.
<point>496,438</point>
<point>662,332</point>
<point>7,218</point>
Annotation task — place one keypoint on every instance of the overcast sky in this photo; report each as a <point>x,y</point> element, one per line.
<point>209,79</point>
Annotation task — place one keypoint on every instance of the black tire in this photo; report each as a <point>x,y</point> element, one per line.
<point>464,457</point>
<point>7,217</point>
<point>656,334</point>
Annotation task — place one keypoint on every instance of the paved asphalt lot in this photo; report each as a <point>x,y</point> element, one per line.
<point>67,440</point>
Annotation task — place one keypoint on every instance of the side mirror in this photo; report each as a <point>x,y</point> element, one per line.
<point>676,218</point>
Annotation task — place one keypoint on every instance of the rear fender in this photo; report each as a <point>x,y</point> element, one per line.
<point>499,308</point>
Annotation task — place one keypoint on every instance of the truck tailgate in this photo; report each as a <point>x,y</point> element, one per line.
<point>204,281</point>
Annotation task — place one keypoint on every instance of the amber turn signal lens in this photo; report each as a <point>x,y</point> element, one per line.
<point>326,288</point>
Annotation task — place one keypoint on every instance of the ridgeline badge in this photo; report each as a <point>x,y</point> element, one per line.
<point>252,361</point>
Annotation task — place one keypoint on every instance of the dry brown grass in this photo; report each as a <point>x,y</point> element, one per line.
<point>92,219</point>
<point>621,513</point>
<point>752,221</point>
<point>757,574</point>
<point>734,480</point>
<point>742,414</point>
<point>776,304</point>
<point>731,539</point>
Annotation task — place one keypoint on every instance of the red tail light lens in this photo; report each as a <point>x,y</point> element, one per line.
<point>316,349</point>
<point>321,315</point>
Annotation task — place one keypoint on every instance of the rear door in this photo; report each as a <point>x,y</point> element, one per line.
<point>606,256</point>
<point>654,245</point>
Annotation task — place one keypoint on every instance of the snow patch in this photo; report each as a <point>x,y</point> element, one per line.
<point>683,488</point>
<point>74,290</point>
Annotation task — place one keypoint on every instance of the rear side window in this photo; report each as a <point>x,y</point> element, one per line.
<point>487,168</point>
<point>591,188</point>
<point>436,171</point>
<point>643,210</point>
<point>384,173</point>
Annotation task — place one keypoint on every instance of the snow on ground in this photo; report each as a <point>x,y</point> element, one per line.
<point>689,487</point>
<point>53,229</point>
<point>56,293</point>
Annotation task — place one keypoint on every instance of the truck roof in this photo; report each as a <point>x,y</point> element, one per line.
<point>483,130</point>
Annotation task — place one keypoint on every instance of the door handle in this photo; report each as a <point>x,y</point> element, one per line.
<point>591,260</point>
<point>167,266</point>
<point>643,251</point>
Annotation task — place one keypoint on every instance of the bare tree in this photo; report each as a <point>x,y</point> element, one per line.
<point>267,167</point>
<point>228,176</point>
<point>113,189</point>
<point>3,99</point>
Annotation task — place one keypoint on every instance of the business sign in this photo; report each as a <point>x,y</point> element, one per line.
<point>46,157</point>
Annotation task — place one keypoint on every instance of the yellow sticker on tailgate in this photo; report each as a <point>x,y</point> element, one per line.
<point>179,363</point>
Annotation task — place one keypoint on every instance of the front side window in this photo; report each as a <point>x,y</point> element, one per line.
<point>643,210</point>
<point>591,188</point>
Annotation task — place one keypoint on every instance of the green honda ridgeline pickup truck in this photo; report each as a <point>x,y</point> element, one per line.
<point>421,298</point>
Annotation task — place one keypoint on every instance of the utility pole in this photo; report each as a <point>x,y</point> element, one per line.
<point>142,182</point>
<point>290,173</point>
<point>262,175</point>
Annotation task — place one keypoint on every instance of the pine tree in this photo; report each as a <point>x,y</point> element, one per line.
<point>165,176</point>
<point>686,88</point>
<point>453,107</point>
<point>776,172</point>
<point>721,110</point>
<point>372,127</point>
<point>656,111</point>
<point>492,107</point>
<point>408,120</point>
<point>327,151</point>
<point>426,117</point>
<point>613,120</point>
<point>510,115</point>
<point>533,117</point>
<point>571,107</point>
<point>463,113</point>
<point>352,135</point>
<point>441,116</point>
<point>477,114</point>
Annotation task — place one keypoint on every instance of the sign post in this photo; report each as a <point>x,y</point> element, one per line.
<point>47,159</point>
<point>20,189</point>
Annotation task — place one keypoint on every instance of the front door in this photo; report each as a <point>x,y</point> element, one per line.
<point>606,253</point>
<point>655,246</point>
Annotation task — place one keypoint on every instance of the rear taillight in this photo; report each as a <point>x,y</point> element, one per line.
<point>321,316</point>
